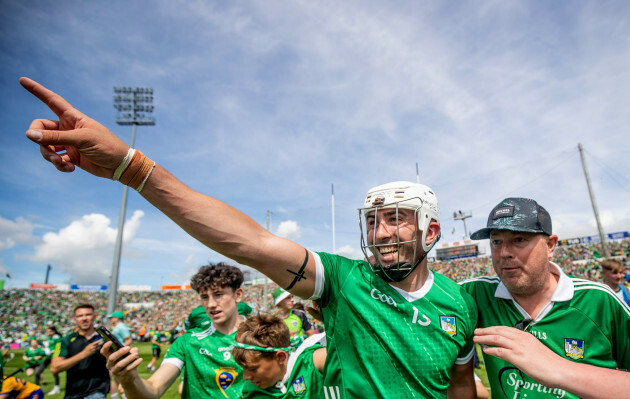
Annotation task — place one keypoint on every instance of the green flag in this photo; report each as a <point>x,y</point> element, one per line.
<point>1,284</point>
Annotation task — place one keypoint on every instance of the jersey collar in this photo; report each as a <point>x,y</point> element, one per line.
<point>413,296</point>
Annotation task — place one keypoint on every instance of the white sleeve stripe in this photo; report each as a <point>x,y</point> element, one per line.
<point>623,305</point>
<point>175,362</point>
<point>319,277</point>
<point>465,359</point>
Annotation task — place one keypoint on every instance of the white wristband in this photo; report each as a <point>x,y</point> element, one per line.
<point>141,186</point>
<point>123,165</point>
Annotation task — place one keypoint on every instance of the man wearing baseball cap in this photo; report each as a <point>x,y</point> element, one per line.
<point>297,321</point>
<point>120,330</point>
<point>547,335</point>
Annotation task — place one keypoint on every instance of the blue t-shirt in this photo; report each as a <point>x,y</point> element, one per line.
<point>121,332</point>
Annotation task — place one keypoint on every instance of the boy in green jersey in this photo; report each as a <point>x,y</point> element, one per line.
<point>53,338</point>
<point>34,356</point>
<point>262,349</point>
<point>206,353</point>
<point>198,318</point>
<point>414,327</point>
<point>156,346</point>
<point>548,335</point>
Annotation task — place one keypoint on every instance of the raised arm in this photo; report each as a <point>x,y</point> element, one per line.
<point>531,356</point>
<point>77,140</point>
<point>125,371</point>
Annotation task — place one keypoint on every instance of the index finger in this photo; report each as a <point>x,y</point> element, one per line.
<point>54,101</point>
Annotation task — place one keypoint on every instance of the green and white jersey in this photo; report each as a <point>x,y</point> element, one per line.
<point>210,368</point>
<point>52,342</point>
<point>157,336</point>
<point>301,380</point>
<point>385,343</point>
<point>584,322</point>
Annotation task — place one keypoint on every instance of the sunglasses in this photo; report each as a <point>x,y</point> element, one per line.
<point>523,324</point>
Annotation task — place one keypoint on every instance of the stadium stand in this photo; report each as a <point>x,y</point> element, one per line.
<point>26,313</point>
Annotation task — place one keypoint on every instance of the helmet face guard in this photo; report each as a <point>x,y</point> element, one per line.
<point>393,197</point>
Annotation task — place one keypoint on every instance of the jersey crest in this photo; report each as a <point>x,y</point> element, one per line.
<point>574,348</point>
<point>448,324</point>
<point>298,385</point>
<point>225,378</point>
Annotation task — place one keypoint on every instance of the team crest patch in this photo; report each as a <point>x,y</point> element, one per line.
<point>574,348</point>
<point>448,324</point>
<point>225,378</point>
<point>298,385</point>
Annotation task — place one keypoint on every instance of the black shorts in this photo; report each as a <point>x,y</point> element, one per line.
<point>156,352</point>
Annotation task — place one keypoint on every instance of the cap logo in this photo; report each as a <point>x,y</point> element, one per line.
<point>504,212</point>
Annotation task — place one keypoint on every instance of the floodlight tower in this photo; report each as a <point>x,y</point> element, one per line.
<point>135,107</point>
<point>459,215</point>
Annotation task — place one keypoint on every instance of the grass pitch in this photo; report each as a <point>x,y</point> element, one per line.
<point>49,382</point>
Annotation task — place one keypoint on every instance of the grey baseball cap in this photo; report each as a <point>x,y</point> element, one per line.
<point>516,214</point>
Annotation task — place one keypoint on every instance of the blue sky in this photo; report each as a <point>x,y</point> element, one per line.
<point>266,104</point>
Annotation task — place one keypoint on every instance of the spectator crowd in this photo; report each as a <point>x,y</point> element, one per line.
<point>26,313</point>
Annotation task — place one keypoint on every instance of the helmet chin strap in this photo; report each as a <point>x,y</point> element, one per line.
<point>397,275</point>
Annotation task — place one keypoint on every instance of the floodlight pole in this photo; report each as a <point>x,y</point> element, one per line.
<point>332,193</point>
<point>47,273</point>
<point>602,237</point>
<point>417,174</point>
<point>265,288</point>
<point>462,216</point>
<point>133,115</point>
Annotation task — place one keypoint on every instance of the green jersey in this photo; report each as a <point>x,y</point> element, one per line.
<point>52,342</point>
<point>584,322</point>
<point>244,309</point>
<point>32,353</point>
<point>301,380</point>
<point>157,336</point>
<point>210,369</point>
<point>387,343</point>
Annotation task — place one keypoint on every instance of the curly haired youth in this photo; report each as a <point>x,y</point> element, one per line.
<point>217,276</point>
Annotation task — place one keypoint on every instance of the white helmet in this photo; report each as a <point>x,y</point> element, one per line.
<point>405,195</point>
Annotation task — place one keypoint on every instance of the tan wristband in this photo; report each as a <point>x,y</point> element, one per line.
<point>138,171</point>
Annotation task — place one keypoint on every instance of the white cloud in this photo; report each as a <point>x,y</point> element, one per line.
<point>583,224</point>
<point>190,260</point>
<point>84,249</point>
<point>489,99</point>
<point>350,252</point>
<point>289,229</point>
<point>16,232</point>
